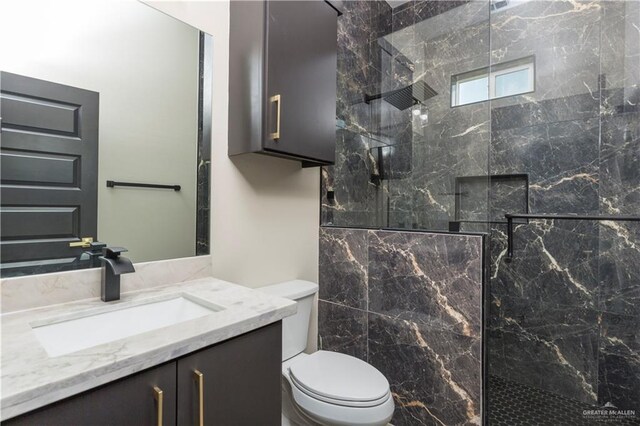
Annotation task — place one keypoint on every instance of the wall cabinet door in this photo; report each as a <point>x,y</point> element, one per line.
<point>234,383</point>
<point>301,51</point>
<point>282,79</point>
<point>129,401</point>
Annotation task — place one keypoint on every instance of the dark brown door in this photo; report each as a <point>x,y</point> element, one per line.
<point>130,401</point>
<point>301,69</point>
<point>48,169</point>
<point>240,378</point>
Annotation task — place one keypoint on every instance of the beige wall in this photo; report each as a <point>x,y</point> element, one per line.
<point>265,211</point>
<point>144,64</point>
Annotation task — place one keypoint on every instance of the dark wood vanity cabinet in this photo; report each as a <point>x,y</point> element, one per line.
<point>240,381</point>
<point>131,401</point>
<point>282,79</point>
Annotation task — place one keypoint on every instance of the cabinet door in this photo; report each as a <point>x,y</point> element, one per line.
<point>240,381</point>
<point>129,401</point>
<point>301,69</point>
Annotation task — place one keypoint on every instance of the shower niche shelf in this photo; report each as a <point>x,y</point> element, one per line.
<point>507,192</point>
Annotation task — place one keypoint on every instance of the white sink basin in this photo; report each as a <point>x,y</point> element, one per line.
<point>66,335</point>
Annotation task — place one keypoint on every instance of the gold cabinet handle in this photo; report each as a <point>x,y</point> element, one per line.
<point>159,397</point>
<point>85,242</point>
<point>276,134</point>
<point>199,377</point>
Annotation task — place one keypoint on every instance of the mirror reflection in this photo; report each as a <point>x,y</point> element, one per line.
<point>100,144</point>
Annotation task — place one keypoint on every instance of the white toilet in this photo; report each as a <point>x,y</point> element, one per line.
<point>326,387</point>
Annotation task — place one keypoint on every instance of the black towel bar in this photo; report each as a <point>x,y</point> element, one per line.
<point>510,218</point>
<point>113,184</point>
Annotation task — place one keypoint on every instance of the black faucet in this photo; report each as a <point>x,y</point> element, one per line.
<point>113,265</point>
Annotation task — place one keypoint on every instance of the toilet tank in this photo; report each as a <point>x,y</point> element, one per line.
<point>295,329</point>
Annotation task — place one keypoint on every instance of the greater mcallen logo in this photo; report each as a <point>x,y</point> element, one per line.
<point>609,412</point>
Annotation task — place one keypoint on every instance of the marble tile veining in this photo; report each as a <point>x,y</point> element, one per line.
<point>434,374</point>
<point>421,325</point>
<point>342,329</point>
<point>343,268</point>
<point>432,279</point>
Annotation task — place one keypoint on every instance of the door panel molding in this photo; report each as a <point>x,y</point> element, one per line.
<point>48,174</point>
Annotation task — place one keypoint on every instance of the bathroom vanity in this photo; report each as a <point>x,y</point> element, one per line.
<point>215,383</point>
<point>197,368</point>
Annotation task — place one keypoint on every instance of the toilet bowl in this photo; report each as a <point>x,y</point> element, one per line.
<point>325,387</point>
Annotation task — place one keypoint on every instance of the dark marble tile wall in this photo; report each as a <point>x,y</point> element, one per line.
<point>349,194</point>
<point>203,210</point>
<point>619,268</point>
<point>409,303</point>
<point>203,172</point>
<point>374,138</point>
<point>562,314</point>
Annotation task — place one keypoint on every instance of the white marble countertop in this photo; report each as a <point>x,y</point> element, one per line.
<point>32,379</point>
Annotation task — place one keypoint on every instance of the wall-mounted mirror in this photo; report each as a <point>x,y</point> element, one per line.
<point>105,135</point>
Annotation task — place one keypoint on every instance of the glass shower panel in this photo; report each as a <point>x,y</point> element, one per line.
<point>544,304</point>
<point>437,169</point>
<point>452,114</point>
<point>561,313</point>
<point>619,191</point>
<point>352,189</point>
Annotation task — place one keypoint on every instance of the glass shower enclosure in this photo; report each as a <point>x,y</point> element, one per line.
<point>473,110</point>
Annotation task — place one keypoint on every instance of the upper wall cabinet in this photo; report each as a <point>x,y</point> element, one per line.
<point>282,79</point>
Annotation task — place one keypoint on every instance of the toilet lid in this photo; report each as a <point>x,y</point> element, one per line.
<point>339,377</point>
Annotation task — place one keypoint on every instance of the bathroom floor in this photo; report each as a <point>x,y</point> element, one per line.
<point>515,404</point>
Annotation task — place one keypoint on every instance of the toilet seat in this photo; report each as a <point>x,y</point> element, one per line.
<point>340,379</point>
<point>336,401</point>
<point>337,389</point>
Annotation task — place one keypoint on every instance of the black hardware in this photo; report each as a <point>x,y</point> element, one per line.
<point>454,226</point>
<point>113,265</point>
<point>113,184</point>
<point>510,218</point>
<point>405,97</point>
<point>113,252</point>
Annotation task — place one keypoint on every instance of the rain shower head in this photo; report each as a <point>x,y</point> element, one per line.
<point>406,97</point>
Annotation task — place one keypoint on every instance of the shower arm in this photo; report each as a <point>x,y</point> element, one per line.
<point>527,216</point>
